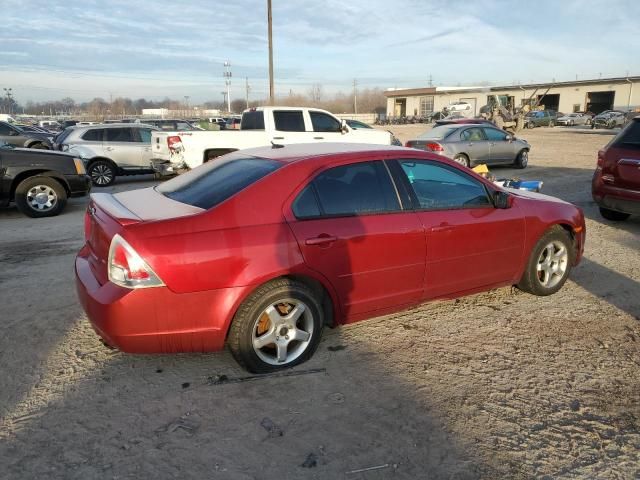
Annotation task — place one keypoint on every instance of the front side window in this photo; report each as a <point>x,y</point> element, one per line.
<point>93,135</point>
<point>355,189</point>
<point>438,187</point>
<point>324,123</point>
<point>495,135</point>
<point>289,120</point>
<point>119,135</point>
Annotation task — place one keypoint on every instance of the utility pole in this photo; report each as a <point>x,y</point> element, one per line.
<point>430,81</point>
<point>9,104</point>
<point>270,22</point>
<point>224,97</point>
<point>227,81</point>
<point>247,89</point>
<point>186,102</point>
<point>355,96</point>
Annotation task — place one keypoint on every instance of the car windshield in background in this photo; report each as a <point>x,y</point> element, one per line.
<point>214,182</point>
<point>437,133</point>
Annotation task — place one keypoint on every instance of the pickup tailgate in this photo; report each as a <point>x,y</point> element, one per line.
<point>108,215</point>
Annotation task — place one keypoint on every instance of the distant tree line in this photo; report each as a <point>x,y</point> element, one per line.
<point>369,100</point>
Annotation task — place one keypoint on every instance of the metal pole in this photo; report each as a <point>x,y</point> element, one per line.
<point>270,21</point>
<point>355,96</point>
<point>629,99</point>
<point>247,88</point>
<point>227,76</point>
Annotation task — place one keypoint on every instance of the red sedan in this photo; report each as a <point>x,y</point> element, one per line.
<point>262,248</point>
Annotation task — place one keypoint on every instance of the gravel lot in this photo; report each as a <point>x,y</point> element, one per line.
<point>496,385</point>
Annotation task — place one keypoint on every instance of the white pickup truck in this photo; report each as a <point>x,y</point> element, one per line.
<point>262,126</point>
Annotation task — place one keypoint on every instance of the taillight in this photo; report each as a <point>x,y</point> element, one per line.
<point>128,269</point>
<point>435,147</point>
<point>174,143</point>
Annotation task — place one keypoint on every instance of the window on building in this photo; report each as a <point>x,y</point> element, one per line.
<point>426,105</point>
<point>576,107</point>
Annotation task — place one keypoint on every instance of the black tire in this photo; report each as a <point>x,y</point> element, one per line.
<point>551,124</point>
<point>31,201</point>
<point>39,146</point>
<point>613,215</point>
<point>522,160</point>
<point>102,173</point>
<point>462,159</point>
<point>531,281</point>
<point>530,125</point>
<point>247,321</point>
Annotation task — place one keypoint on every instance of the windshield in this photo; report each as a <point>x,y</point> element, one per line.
<point>437,133</point>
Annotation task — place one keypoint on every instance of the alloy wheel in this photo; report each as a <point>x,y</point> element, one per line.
<point>282,332</point>
<point>42,198</point>
<point>552,264</point>
<point>101,174</point>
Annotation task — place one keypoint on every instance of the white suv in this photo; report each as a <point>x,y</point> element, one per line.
<point>109,150</point>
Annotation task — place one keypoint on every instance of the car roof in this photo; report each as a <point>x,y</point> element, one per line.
<point>309,151</point>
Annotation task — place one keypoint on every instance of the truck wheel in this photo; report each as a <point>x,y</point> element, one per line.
<point>276,327</point>
<point>102,173</point>
<point>40,197</point>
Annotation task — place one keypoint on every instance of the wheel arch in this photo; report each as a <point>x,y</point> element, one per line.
<point>93,160</point>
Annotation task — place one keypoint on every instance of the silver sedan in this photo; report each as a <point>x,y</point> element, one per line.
<point>572,119</point>
<point>474,144</point>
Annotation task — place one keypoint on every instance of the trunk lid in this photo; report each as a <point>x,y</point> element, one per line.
<point>109,214</point>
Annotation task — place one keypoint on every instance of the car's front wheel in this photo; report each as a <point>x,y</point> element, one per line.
<point>613,215</point>
<point>277,326</point>
<point>102,173</point>
<point>549,264</point>
<point>462,159</point>
<point>522,160</point>
<point>40,197</point>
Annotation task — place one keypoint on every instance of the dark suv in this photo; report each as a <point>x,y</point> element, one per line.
<point>616,181</point>
<point>38,181</point>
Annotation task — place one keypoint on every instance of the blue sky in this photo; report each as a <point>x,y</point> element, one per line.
<point>154,49</point>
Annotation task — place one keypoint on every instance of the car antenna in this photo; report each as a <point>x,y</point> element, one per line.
<point>276,145</point>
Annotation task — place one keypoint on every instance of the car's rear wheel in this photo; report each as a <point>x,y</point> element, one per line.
<point>549,264</point>
<point>613,215</point>
<point>551,124</point>
<point>530,125</point>
<point>277,327</point>
<point>462,159</point>
<point>102,173</point>
<point>40,197</point>
<point>522,160</point>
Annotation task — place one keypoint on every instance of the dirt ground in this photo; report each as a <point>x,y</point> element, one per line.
<point>496,385</point>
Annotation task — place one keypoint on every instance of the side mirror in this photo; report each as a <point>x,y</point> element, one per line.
<point>509,137</point>
<point>344,128</point>
<point>501,199</point>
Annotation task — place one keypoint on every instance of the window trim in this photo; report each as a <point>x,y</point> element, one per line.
<point>323,215</point>
<point>402,178</point>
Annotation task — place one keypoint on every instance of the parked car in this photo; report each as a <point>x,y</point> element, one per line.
<point>38,181</point>
<point>469,145</point>
<point>464,121</point>
<point>540,118</point>
<point>223,253</point>
<point>460,107</point>
<point>16,136</point>
<point>357,124</point>
<point>50,125</point>
<point>233,123</point>
<point>616,181</point>
<point>609,119</point>
<point>110,150</point>
<point>572,119</point>
<point>32,128</point>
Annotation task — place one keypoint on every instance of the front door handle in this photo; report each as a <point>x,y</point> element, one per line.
<point>323,239</point>
<point>108,149</point>
<point>443,227</point>
<point>278,138</point>
<point>318,138</point>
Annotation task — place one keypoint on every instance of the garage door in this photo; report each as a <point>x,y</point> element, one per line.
<point>600,101</point>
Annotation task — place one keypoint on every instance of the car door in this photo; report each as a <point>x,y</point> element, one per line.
<point>470,243</point>
<point>351,228</point>
<point>501,149</point>
<point>123,147</point>
<point>325,127</point>
<point>143,135</point>
<point>474,143</point>
<point>289,127</point>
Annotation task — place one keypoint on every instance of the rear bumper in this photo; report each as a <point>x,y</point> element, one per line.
<point>155,320</point>
<point>614,198</point>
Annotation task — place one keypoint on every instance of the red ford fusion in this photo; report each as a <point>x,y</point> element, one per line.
<point>260,249</point>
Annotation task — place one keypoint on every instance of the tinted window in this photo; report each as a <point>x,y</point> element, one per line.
<point>119,135</point>
<point>359,188</point>
<point>438,133</point>
<point>94,135</point>
<point>630,136</point>
<point>184,126</point>
<point>214,182</point>
<point>289,120</point>
<point>252,120</point>
<point>324,123</point>
<point>495,135</point>
<point>145,135</point>
<point>306,205</point>
<point>472,135</point>
<point>441,187</point>
<point>4,129</point>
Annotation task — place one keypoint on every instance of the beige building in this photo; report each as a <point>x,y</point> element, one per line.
<point>576,96</point>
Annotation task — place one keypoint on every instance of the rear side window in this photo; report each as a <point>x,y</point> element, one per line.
<point>214,182</point>
<point>289,120</point>
<point>630,136</point>
<point>324,123</point>
<point>306,204</point>
<point>119,135</point>
<point>94,135</point>
<point>355,189</point>
<point>252,121</point>
<point>145,135</point>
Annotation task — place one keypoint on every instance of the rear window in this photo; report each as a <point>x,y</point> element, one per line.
<point>252,121</point>
<point>438,133</point>
<point>214,182</point>
<point>289,120</point>
<point>94,135</point>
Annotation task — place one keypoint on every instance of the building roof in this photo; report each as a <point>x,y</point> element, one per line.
<point>402,92</point>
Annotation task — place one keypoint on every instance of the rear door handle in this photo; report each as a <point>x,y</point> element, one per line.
<point>278,138</point>
<point>108,149</point>
<point>321,240</point>
<point>318,138</point>
<point>442,228</point>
